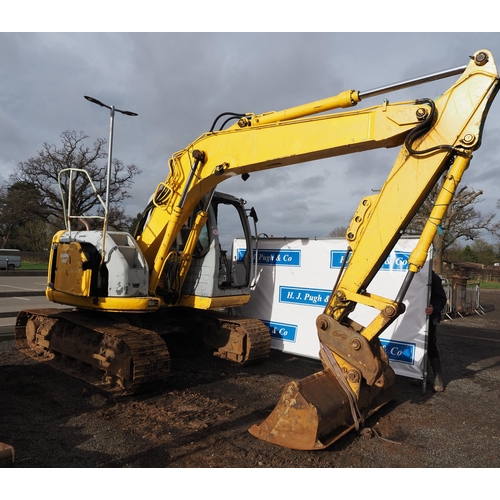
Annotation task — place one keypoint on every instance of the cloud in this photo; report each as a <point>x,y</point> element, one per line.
<point>179,82</point>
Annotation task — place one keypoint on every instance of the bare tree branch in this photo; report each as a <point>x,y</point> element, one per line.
<point>42,173</point>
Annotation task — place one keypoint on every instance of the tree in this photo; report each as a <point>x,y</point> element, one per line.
<point>453,253</point>
<point>461,220</point>
<point>34,236</point>
<point>468,255</point>
<point>484,251</point>
<point>19,207</point>
<point>339,231</point>
<point>496,226</point>
<point>42,172</point>
<point>134,222</point>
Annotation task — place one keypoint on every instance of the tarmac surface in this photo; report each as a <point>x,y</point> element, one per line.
<point>20,290</point>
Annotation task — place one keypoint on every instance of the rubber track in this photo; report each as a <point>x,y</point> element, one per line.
<point>144,348</point>
<point>258,338</point>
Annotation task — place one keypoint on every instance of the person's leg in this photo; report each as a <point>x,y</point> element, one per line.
<point>434,359</point>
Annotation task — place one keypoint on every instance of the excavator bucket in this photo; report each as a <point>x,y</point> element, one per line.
<point>315,411</point>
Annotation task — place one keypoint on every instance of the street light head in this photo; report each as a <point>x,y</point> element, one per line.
<point>95,101</point>
<point>128,113</point>
<point>112,108</point>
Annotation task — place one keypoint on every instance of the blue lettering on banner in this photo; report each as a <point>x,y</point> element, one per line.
<point>273,257</point>
<point>304,296</point>
<point>337,258</point>
<point>282,331</point>
<point>397,260</point>
<point>403,352</point>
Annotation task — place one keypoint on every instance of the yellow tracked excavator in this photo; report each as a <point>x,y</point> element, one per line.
<point>128,291</point>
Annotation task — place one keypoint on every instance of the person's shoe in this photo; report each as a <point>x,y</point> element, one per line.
<point>438,385</point>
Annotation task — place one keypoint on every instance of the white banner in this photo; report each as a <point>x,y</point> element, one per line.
<point>295,278</point>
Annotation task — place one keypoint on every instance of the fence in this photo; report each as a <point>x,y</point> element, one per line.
<point>463,297</point>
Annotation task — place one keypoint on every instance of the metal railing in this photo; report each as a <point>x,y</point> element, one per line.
<point>463,297</point>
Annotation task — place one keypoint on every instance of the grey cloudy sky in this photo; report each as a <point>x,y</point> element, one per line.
<point>179,82</point>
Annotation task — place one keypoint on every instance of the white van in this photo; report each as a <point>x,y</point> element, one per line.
<point>10,258</point>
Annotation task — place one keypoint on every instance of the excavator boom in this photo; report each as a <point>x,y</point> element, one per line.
<point>316,411</point>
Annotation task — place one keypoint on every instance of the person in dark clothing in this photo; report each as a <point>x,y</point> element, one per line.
<point>438,300</point>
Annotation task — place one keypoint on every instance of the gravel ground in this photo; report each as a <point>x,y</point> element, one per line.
<point>201,418</point>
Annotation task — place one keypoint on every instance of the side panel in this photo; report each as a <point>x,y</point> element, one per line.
<point>295,279</point>
<point>70,276</point>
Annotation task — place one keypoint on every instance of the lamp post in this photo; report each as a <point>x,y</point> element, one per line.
<point>112,111</point>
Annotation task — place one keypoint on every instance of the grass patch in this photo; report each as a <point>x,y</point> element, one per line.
<point>33,266</point>
<point>489,285</point>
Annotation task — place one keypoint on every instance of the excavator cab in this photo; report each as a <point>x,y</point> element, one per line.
<point>90,267</point>
<point>211,273</point>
